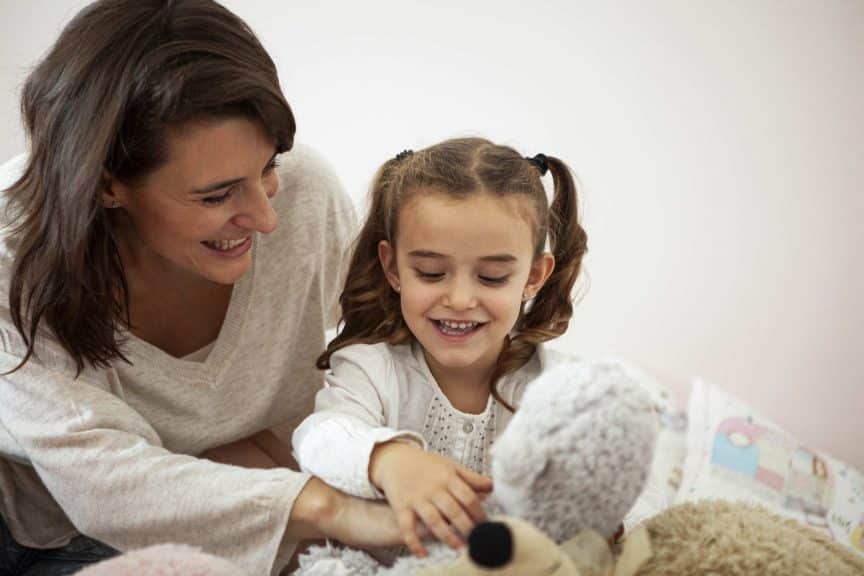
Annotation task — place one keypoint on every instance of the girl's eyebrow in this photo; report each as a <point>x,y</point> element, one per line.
<point>426,254</point>
<point>506,258</point>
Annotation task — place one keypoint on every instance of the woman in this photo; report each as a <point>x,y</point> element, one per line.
<point>166,285</point>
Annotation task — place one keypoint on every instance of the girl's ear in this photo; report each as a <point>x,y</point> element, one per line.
<point>387,257</point>
<point>541,269</point>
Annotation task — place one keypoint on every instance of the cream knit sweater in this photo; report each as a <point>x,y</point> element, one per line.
<point>112,454</point>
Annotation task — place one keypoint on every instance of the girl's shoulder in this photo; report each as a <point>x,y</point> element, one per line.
<point>380,356</point>
<point>544,359</point>
<point>548,358</point>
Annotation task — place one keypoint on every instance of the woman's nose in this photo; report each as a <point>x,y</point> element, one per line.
<point>256,212</point>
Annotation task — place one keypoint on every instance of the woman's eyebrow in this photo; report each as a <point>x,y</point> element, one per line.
<point>226,183</point>
<point>217,186</point>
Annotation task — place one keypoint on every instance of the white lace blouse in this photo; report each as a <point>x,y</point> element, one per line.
<point>377,393</point>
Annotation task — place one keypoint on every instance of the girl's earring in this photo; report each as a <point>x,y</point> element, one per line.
<point>526,296</point>
<point>396,288</point>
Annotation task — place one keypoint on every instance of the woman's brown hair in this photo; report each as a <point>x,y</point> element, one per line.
<point>371,310</point>
<point>100,102</point>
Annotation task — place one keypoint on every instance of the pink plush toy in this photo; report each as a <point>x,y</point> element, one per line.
<point>163,560</point>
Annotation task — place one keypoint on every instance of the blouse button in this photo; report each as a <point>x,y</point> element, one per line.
<point>468,427</point>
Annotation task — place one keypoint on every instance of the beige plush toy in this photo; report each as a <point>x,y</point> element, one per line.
<point>509,546</point>
<point>724,538</point>
<point>711,537</point>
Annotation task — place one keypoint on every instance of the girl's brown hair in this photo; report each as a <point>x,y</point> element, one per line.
<point>371,310</point>
<point>120,74</point>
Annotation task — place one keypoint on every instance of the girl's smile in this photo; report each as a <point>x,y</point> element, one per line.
<point>457,331</point>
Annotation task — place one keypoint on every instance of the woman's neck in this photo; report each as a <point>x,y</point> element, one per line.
<point>170,308</point>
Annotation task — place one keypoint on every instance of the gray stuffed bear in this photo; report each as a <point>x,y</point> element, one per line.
<point>575,456</point>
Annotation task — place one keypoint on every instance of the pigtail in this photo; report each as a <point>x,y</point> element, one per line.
<point>549,313</point>
<point>552,308</point>
<point>370,308</point>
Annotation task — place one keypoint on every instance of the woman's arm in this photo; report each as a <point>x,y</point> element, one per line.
<point>107,469</point>
<point>322,511</point>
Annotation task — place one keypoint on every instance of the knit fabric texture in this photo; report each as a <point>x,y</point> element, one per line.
<point>578,451</point>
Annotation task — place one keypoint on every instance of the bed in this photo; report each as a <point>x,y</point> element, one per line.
<point>721,448</point>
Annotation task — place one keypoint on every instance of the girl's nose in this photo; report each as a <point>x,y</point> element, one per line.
<point>459,295</point>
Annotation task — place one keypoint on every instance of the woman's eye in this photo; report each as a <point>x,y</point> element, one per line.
<point>214,200</point>
<point>430,276</point>
<point>495,280</point>
<point>271,166</point>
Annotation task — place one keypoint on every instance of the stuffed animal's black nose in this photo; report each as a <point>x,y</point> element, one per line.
<point>490,544</point>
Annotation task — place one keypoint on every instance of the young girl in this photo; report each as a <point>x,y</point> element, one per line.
<point>449,295</point>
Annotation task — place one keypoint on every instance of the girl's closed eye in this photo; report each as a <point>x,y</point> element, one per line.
<point>429,276</point>
<point>495,280</point>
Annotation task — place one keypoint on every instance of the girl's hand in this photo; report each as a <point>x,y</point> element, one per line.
<point>430,487</point>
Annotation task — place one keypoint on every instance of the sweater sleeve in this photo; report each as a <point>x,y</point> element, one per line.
<point>106,467</point>
<point>355,411</point>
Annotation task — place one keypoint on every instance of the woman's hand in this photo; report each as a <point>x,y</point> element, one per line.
<point>431,488</point>
<point>322,511</point>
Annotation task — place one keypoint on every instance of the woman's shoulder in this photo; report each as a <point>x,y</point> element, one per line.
<point>309,182</point>
<point>316,217</point>
<point>10,171</point>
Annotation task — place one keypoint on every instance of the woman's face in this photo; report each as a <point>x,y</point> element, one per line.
<point>199,211</point>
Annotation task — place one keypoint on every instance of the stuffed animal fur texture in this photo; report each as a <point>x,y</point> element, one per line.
<point>575,456</point>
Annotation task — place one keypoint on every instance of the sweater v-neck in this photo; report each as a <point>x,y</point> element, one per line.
<point>222,348</point>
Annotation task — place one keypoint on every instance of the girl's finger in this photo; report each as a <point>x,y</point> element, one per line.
<point>430,516</point>
<point>453,511</point>
<point>469,500</point>
<point>408,526</point>
<point>476,482</point>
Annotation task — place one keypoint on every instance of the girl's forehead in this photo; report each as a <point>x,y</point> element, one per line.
<point>478,224</point>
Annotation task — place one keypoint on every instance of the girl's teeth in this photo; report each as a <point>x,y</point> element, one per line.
<point>456,327</point>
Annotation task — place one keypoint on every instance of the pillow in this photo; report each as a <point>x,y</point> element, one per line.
<point>661,487</point>
<point>733,453</point>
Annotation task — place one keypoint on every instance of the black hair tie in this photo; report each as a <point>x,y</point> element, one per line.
<point>403,154</point>
<point>541,162</point>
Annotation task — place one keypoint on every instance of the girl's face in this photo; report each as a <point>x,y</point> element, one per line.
<point>462,268</point>
<point>198,212</point>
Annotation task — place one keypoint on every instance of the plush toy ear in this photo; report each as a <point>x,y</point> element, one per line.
<point>635,551</point>
<point>590,553</point>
